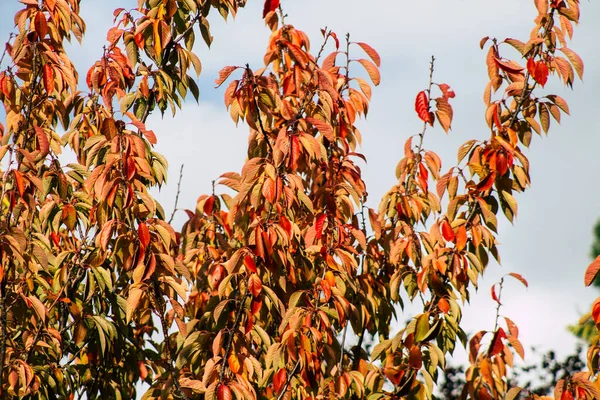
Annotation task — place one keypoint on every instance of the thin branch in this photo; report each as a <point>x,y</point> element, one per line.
<point>262,128</point>
<point>499,304</point>
<point>289,379</point>
<point>236,324</point>
<point>177,195</point>
<point>3,325</point>
<point>167,54</point>
<point>160,310</point>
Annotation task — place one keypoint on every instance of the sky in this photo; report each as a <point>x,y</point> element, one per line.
<point>549,243</point>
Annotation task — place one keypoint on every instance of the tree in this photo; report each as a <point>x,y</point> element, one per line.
<point>255,296</point>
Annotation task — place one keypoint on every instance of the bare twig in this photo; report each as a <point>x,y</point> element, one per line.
<point>177,195</point>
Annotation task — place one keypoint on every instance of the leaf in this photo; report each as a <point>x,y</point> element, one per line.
<point>133,299</point>
<point>48,76</point>
<point>422,107</point>
<point>444,306</point>
<point>592,271</point>
<point>560,102</point>
<point>516,344</point>
<point>575,60</point>
<point>542,6</point>
<point>512,393</point>
<point>371,53</point>
<point>224,74</point>
<point>422,327</point>
<point>19,181</point>
<point>465,148</point>
<point>143,234</point>
<point>270,6</point>
<point>254,285</point>
<point>494,296</point>
<point>513,329</point>
<point>38,307</point>
<point>372,70</point>
<point>415,358</point>
<point>444,113</point>
<point>319,225</point>
<point>323,127</point>
<point>519,278</point>
<point>223,392</point>
<point>279,380</point>
<point>249,263</point>
<point>447,231</point>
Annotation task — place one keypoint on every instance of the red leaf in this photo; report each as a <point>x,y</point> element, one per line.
<point>270,5</point>
<point>592,271</point>
<point>55,238</point>
<point>494,296</point>
<point>249,263</point>
<point>487,182</point>
<point>596,310</point>
<point>209,205</point>
<point>19,181</point>
<point>496,347</point>
<point>531,66</point>
<point>279,380</point>
<point>422,107</point>
<point>319,225</point>
<point>48,75</point>
<point>541,73</point>
<point>224,393</point>
<point>447,231</point>
<point>144,234</point>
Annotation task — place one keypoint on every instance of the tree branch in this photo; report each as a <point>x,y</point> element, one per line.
<point>178,193</point>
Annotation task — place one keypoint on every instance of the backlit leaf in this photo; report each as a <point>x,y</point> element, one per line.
<point>372,70</point>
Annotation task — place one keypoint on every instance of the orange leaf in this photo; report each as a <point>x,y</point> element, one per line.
<point>48,76</point>
<point>461,237</point>
<point>415,359</point>
<point>444,306</point>
<point>519,278</point>
<point>279,380</point>
<point>144,234</point>
<point>575,60</point>
<point>371,53</point>
<point>249,263</point>
<point>254,285</point>
<point>324,128</point>
<point>372,70</point>
<point>224,74</point>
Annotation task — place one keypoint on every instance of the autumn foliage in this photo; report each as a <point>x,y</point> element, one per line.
<point>257,294</point>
